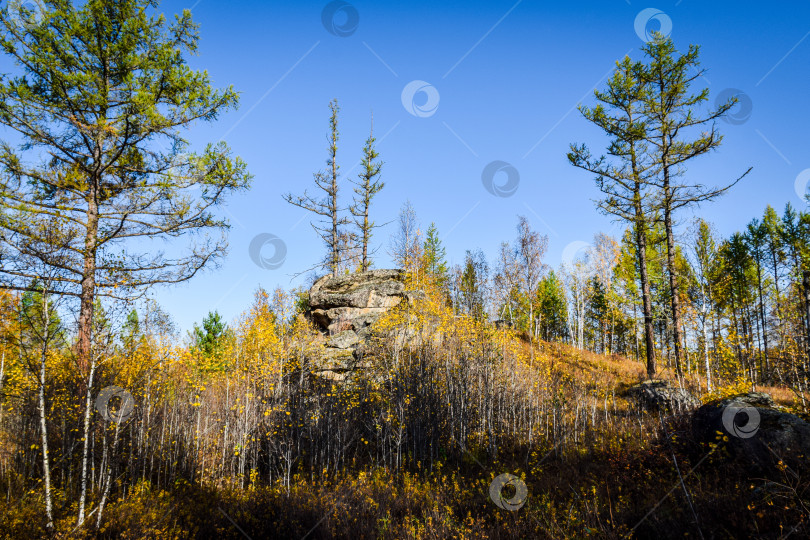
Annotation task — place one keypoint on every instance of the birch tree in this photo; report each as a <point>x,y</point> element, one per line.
<point>406,244</point>
<point>704,252</point>
<point>530,248</point>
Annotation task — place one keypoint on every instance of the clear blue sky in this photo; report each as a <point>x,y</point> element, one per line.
<point>508,76</point>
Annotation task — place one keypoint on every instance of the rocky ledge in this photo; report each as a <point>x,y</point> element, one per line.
<point>345,308</point>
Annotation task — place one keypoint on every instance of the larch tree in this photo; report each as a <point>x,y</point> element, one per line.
<point>671,115</point>
<point>795,232</point>
<point>330,222</point>
<point>624,176</point>
<point>366,188</point>
<point>755,237</point>
<point>736,293</point>
<point>774,248</point>
<point>98,104</point>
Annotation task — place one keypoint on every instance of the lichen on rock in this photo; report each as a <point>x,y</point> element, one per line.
<point>345,309</point>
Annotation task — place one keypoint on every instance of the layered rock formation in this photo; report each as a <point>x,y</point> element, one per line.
<point>355,301</point>
<point>345,309</point>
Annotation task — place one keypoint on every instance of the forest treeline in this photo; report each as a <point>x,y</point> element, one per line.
<point>744,298</point>
<point>114,425</point>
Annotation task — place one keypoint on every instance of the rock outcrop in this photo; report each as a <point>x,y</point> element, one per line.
<point>656,394</point>
<point>345,309</point>
<point>753,429</point>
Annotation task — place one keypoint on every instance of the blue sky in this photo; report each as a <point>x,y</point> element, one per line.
<point>508,77</point>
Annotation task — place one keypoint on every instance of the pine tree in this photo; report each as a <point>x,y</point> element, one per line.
<point>472,284</point>
<point>552,308</point>
<point>208,337</point>
<point>434,256</point>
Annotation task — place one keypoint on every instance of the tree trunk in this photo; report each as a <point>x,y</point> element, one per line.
<point>641,249</point>
<point>666,187</point>
<point>686,358</point>
<point>84,348</point>
<point>88,410</point>
<point>333,196</point>
<point>766,374</point>
<point>704,311</point>
<point>673,278</point>
<point>635,329</point>
<point>2,375</point>
<point>806,285</point>
<point>88,293</point>
<point>366,234</point>
<point>531,329</point>
<point>43,425</point>
<point>108,478</point>
<point>334,212</point>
